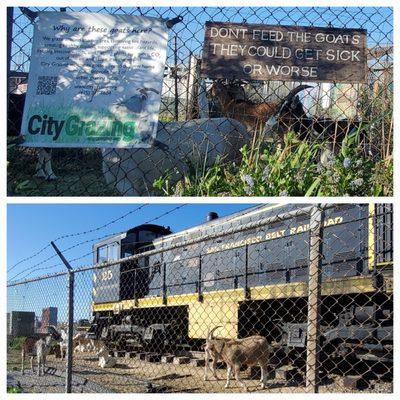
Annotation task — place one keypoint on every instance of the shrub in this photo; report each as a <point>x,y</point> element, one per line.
<point>17,342</point>
<point>293,170</point>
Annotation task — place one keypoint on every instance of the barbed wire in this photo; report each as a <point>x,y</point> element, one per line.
<point>73,235</point>
<point>314,282</point>
<point>33,269</point>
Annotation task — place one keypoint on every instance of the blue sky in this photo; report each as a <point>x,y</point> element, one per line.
<point>32,227</point>
<point>377,20</point>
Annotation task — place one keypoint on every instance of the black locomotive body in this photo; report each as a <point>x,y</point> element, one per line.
<point>250,281</point>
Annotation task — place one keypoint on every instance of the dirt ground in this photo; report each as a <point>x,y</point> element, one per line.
<point>79,173</point>
<point>133,376</point>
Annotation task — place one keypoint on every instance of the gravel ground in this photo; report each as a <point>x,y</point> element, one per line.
<point>133,376</point>
<point>52,382</point>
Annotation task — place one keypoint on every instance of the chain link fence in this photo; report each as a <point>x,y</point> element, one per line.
<point>204,122</point>
<point>304,292</point>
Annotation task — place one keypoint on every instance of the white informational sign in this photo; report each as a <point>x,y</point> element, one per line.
<point>95,80</point>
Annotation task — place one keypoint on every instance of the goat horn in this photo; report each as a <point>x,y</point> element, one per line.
<point>52,327</point>
<point>53,330</point>
<point>291,95</point>
<point>210,334</point>
<point>296,90</point>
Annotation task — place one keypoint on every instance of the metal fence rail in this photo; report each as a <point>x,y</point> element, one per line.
<point>193,128</point>
<point>314,282</point>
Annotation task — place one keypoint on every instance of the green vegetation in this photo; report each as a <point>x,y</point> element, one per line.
<point>16,343</point>
<point>14,389</point>
<point>293,170</point>
<point>361,166</point>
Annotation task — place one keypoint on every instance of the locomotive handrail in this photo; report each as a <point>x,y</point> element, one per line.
<point>245,227</point>
<point>162,249</point>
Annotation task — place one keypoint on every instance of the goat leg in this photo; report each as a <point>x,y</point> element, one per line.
<point>228,376</point>
<point>50,175</point>
<point>214,366</point>
<point>44,364</point>
<point>237,377</point>
<point>264,375</point>
<point>43,167</point>
<point>206,363</point>
<point>22,361</point>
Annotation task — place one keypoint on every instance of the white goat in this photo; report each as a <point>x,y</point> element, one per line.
<point>63,344</point>
<point>105,360</point>
<point>43,347</point>
<point>82,343</point>
<point>179,145</point>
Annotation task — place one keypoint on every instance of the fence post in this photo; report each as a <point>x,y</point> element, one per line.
<point>199,286</point>
<point>314,299</point>
<point>164,283</point>
<point>70,350</point>
<point>176,99</point>
<point>10,17</point>
<point>246,274</point>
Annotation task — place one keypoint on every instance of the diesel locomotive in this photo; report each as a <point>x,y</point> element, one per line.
<point>248,277</point>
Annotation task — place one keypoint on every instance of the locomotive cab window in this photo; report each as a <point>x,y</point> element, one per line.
<point>108,252</point>
<point>102,254</point>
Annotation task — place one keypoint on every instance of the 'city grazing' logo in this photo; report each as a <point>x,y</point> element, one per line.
<point>74,126</point>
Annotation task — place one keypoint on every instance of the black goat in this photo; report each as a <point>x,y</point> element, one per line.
<point>291,116</point>
<point>15,109</point>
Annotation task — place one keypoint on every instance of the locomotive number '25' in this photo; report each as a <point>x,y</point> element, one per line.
<point>106,275</point>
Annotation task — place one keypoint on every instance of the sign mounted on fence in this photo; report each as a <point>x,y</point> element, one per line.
<point>289,53</point>
<point>95,80</point>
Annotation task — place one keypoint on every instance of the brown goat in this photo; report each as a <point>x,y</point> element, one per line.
<point>248,351</point>
<point>250,114</point>
<point>39,346</point>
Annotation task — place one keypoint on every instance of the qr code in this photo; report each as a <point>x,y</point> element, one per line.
<point>47,85</point>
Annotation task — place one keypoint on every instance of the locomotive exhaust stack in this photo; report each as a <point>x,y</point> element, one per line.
<point>211,216</point>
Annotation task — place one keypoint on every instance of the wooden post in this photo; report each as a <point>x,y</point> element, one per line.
<point>314,299</point>
<point>188,85</point>
<point>194,89</point>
